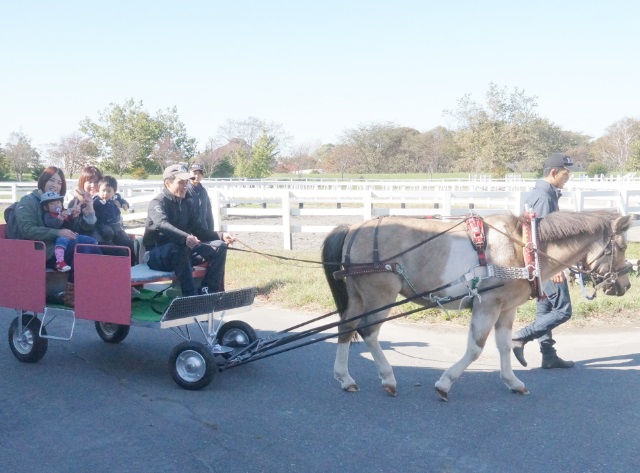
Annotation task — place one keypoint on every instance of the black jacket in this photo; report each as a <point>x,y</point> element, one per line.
<point>171,220</point>
<point>199,198</point>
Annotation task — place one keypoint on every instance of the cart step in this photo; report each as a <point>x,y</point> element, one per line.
<point>63,316</point>
<point>206,304</point>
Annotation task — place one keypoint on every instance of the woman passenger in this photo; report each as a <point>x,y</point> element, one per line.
<point>30,219</point>
<point>83,196</point>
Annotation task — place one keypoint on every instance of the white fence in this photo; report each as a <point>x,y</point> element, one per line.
<point>366,199</point>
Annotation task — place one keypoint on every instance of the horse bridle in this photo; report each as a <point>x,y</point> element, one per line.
<point>610,277</point>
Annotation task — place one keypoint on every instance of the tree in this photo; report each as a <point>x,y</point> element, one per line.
<point>251,130</point>
<point>22,157</point>
<point>176,131</point>
<point>616,148</point>
<point>124,152</point>
<point>376,146</point>
<point>126,135</point>
<point>340,158</point>
<point>322,153</point>
<point>505,134</point>
<point>263,158</point>
<point>430,152</point>
<point>166,152</point>
<point>73,152</point>
<point>215,156</point>
<point>4,165</point>
<point>302,157</point>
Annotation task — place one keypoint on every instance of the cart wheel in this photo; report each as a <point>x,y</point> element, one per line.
<point>112,333</point>
<point>28,346</point>
<point>192,365</point>
<point>235,334</point>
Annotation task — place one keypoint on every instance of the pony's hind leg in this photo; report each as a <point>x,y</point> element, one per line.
<point>503,329</point>
<point>385,371</point>
<point>378,290</point>
<point>481,324</point>
<point>341,364</point>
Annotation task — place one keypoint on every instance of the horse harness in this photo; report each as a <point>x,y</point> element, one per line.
<point>477,273</point>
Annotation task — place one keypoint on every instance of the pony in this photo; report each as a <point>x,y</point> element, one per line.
<point>378,259</point>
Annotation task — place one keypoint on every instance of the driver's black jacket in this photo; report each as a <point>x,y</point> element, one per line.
<point>171,220</point>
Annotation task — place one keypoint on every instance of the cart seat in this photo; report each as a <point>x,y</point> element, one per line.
<point>143,274</point>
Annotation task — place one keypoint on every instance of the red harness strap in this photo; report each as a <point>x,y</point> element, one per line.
<point>475,229</point>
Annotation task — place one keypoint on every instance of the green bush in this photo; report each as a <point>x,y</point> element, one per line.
<point>595,169</point>
<point>140,173</point>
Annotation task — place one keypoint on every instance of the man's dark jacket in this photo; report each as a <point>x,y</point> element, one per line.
<point>199,198</point>
<point>543,198</point>
<point>171,220</point>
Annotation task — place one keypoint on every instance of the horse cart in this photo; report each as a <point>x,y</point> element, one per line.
<point>103,294</point>
<point>504,269</point>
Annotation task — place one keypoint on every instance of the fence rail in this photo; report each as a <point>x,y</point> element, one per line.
<point>364,200</point>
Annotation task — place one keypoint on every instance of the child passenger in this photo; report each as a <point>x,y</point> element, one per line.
<point>109,223</point>
<point>55,216</point>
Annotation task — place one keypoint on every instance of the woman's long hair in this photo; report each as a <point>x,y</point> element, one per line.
<point>48,174</point>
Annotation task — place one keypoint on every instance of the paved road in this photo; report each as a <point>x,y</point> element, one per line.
<point>91,406</point>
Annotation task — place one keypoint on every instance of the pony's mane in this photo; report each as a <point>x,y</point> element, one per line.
<point>565,224</point>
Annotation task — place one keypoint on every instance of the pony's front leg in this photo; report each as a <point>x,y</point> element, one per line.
<point>481,324</point>
<point>341,365</point>
<point>385,371</point>
<point>503,342</point>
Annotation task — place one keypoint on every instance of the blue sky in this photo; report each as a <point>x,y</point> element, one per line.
<point>316,67</point>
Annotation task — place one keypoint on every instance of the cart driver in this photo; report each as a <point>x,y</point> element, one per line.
<point>175,239</point>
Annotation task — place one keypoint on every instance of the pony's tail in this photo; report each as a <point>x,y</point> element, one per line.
<point>331,259</point>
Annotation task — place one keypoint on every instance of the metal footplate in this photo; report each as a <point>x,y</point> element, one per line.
<point>185,310</point>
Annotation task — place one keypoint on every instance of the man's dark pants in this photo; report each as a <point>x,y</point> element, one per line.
<point>550,312</point>
<point>180,259</point>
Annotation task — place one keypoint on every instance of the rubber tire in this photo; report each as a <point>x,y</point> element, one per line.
<point>232,329</point>
<point>112,333</point>
<point>33,346</point>
<point>192,365</point>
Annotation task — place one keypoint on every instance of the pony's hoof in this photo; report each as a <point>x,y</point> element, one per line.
<point>523,391</point>
<point>391,390</point>
<point>444,395</point>
<point>352,388</point>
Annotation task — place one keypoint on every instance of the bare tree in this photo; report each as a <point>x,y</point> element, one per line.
<point>214,154</point>
<point>123,153</point>
<point>302,157</point>
<point>73,152</point>
<point>615,147</point>
<point>340,159</point>
<point>165,152</point>
<point>20,154</point>
<point>251,130</point>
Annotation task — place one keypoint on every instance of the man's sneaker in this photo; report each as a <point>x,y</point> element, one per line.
<point>62,266</point>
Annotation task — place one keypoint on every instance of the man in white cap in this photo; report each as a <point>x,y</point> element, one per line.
<point>176,239</point>
<point>555,309</point>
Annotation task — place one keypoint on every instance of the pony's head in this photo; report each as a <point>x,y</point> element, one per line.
<point>607,264</point>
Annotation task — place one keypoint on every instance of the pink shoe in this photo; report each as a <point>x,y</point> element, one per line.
<point>63,267</point>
